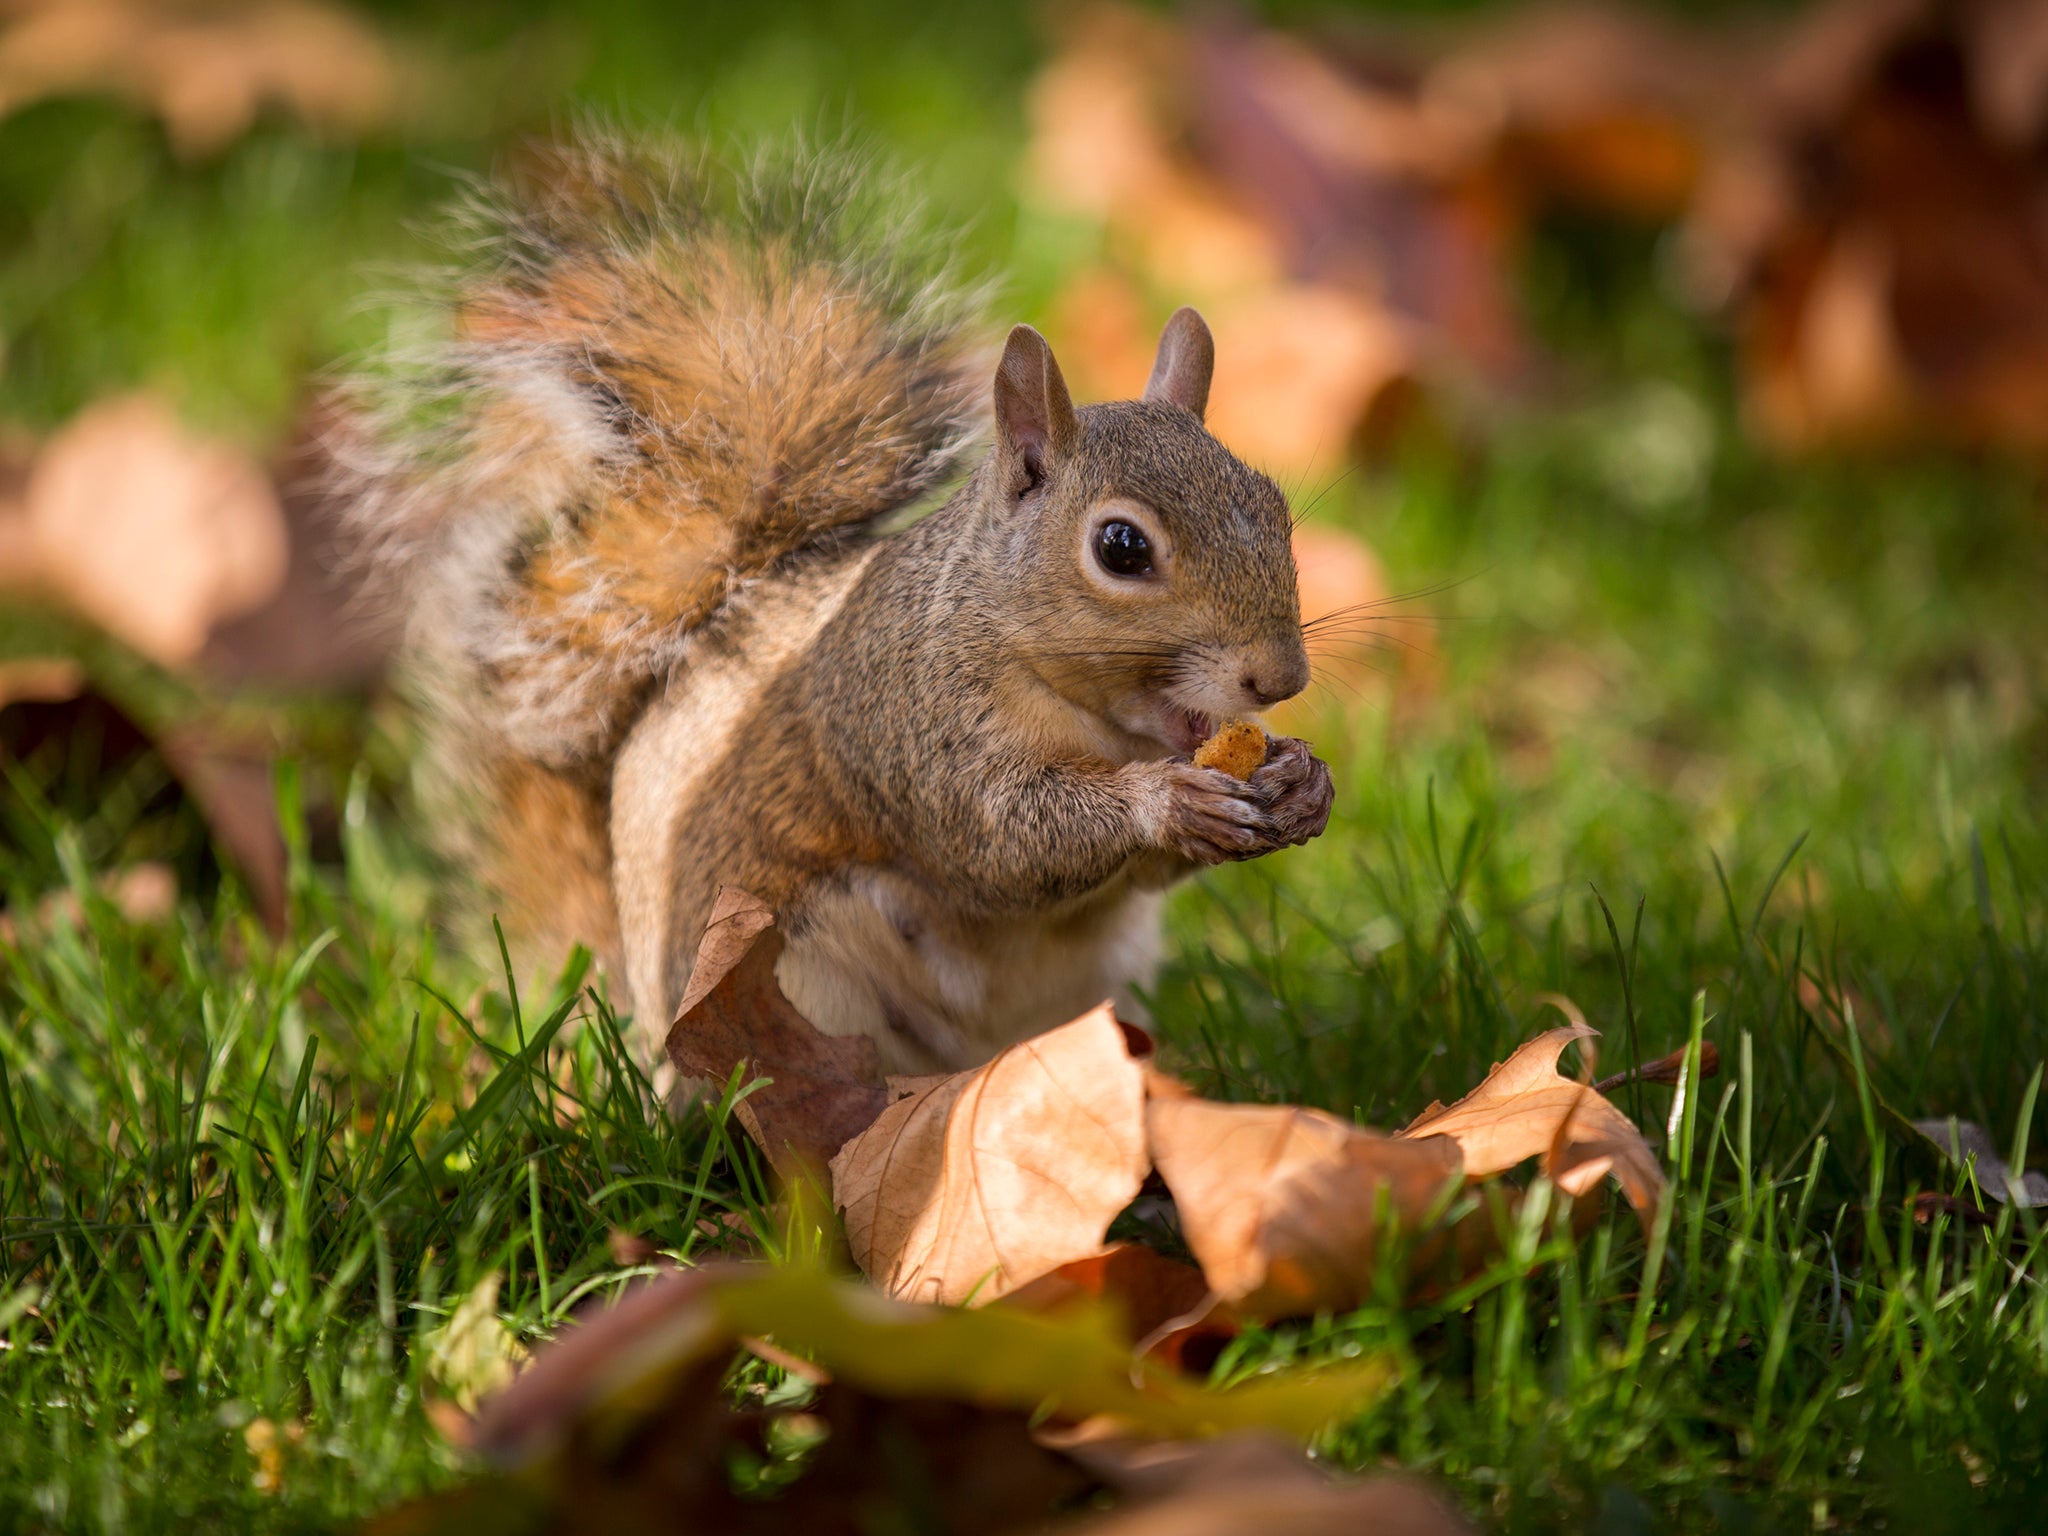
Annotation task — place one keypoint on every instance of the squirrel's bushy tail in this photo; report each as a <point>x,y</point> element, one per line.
<point>652,377</point>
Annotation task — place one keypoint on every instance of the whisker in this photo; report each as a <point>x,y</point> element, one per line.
<point>1302,516</point>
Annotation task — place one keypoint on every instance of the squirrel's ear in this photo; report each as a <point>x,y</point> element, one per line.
<point>1035,422</point>
<point>1187,359</point>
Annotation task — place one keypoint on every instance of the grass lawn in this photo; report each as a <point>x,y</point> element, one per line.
<point>1742,744</point>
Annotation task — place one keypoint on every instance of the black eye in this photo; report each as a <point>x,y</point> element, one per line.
<point>1123,551</point>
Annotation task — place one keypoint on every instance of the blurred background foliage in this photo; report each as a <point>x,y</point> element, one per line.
<point>1665,387</point>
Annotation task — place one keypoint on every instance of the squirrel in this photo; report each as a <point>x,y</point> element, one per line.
<point>650,499</point>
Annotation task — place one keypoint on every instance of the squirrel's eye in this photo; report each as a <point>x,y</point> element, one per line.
<point>1123,551</point>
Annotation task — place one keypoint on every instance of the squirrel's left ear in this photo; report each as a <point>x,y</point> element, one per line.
<point>1186,361</point>
<point>1035,421</point>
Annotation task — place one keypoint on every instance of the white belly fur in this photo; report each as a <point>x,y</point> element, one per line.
<point>664,761</point>
<point>883,958</point>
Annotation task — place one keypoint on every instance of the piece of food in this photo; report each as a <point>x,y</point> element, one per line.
<point>1237,748</point>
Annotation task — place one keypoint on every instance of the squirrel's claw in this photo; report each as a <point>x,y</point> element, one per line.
<point>1295,787</point>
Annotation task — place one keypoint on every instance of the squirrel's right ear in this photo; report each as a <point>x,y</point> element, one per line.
<point>1186,361</point>
<point>1035,423</point>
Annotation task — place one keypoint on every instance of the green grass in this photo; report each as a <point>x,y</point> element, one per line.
<point>1771,719</point>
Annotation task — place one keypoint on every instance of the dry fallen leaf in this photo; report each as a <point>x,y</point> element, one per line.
<point>1300,372</point>
<point>323,627</point>
<point>205,70</point>
<point>152,533</point>
<point>991,1178</point>
<point>990,1420</point>
<point>1965,1142</point>
<point>1871,224</point>
<point>1289,1506</point>
<point>1526,1108</point>
<point>1167,1307</point>
<point>822,1089</point>
<point>40,680</point>
<point>1284,1206</point>
<point>1075,1364</point>
<point>473,1354</point>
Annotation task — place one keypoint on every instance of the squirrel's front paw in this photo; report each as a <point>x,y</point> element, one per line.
<point>1294,787</point>
<point>1207,817</point>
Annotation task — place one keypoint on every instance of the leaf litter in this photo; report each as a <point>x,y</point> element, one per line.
<point>1006,1364</point>
<point>1038,1368</point>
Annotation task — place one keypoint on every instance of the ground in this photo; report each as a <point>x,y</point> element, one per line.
<point>1761,746</point>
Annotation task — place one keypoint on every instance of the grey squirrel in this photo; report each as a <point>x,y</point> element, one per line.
<point>633,496</point>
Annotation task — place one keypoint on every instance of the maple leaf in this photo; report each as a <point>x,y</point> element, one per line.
<point>1527,1108</point>
<point>987,1179</point>
<point>1285,1208</point>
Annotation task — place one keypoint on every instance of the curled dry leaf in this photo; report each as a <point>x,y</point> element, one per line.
<point>1284,1207</point>
<point>821,1089</point>
<point>1666,1070</point>
<point>988,1179</point>
<point>1527,1108</point>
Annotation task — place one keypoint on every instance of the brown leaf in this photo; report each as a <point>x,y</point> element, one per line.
<point>1666,1070</point>
<point>1526,1108</point>
<point>991,1178</point>
<point>323,627</point>
<point>230,784</point>
<point>1168,1309</point>
<point>152,533</point>
<point>40,680</point>
<point>1964,1141</point>
<point>932,1418</point>
<point>1873,222</point>
<point>206,71</point>
<point>1166,1485</point>
<point>235,792</point>
<point>1281,1205</point>
<point>1287,1505</point>
<point>822,1089</point>
<point>1368,186</point>
<point>1301,369</point>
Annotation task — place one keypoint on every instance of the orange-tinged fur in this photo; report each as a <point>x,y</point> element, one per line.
<point>659,395</point>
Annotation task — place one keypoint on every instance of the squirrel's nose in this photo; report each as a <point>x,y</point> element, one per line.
<point>1268,682</point>
<point>1269,689</point>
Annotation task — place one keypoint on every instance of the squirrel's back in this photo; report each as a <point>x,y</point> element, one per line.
<point>653,378</point>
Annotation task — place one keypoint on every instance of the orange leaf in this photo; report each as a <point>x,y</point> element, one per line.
<point>1168,1309</point>
<point>1526,1108</point>
<point>1282,1206</point>
<point>988,1179</point>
